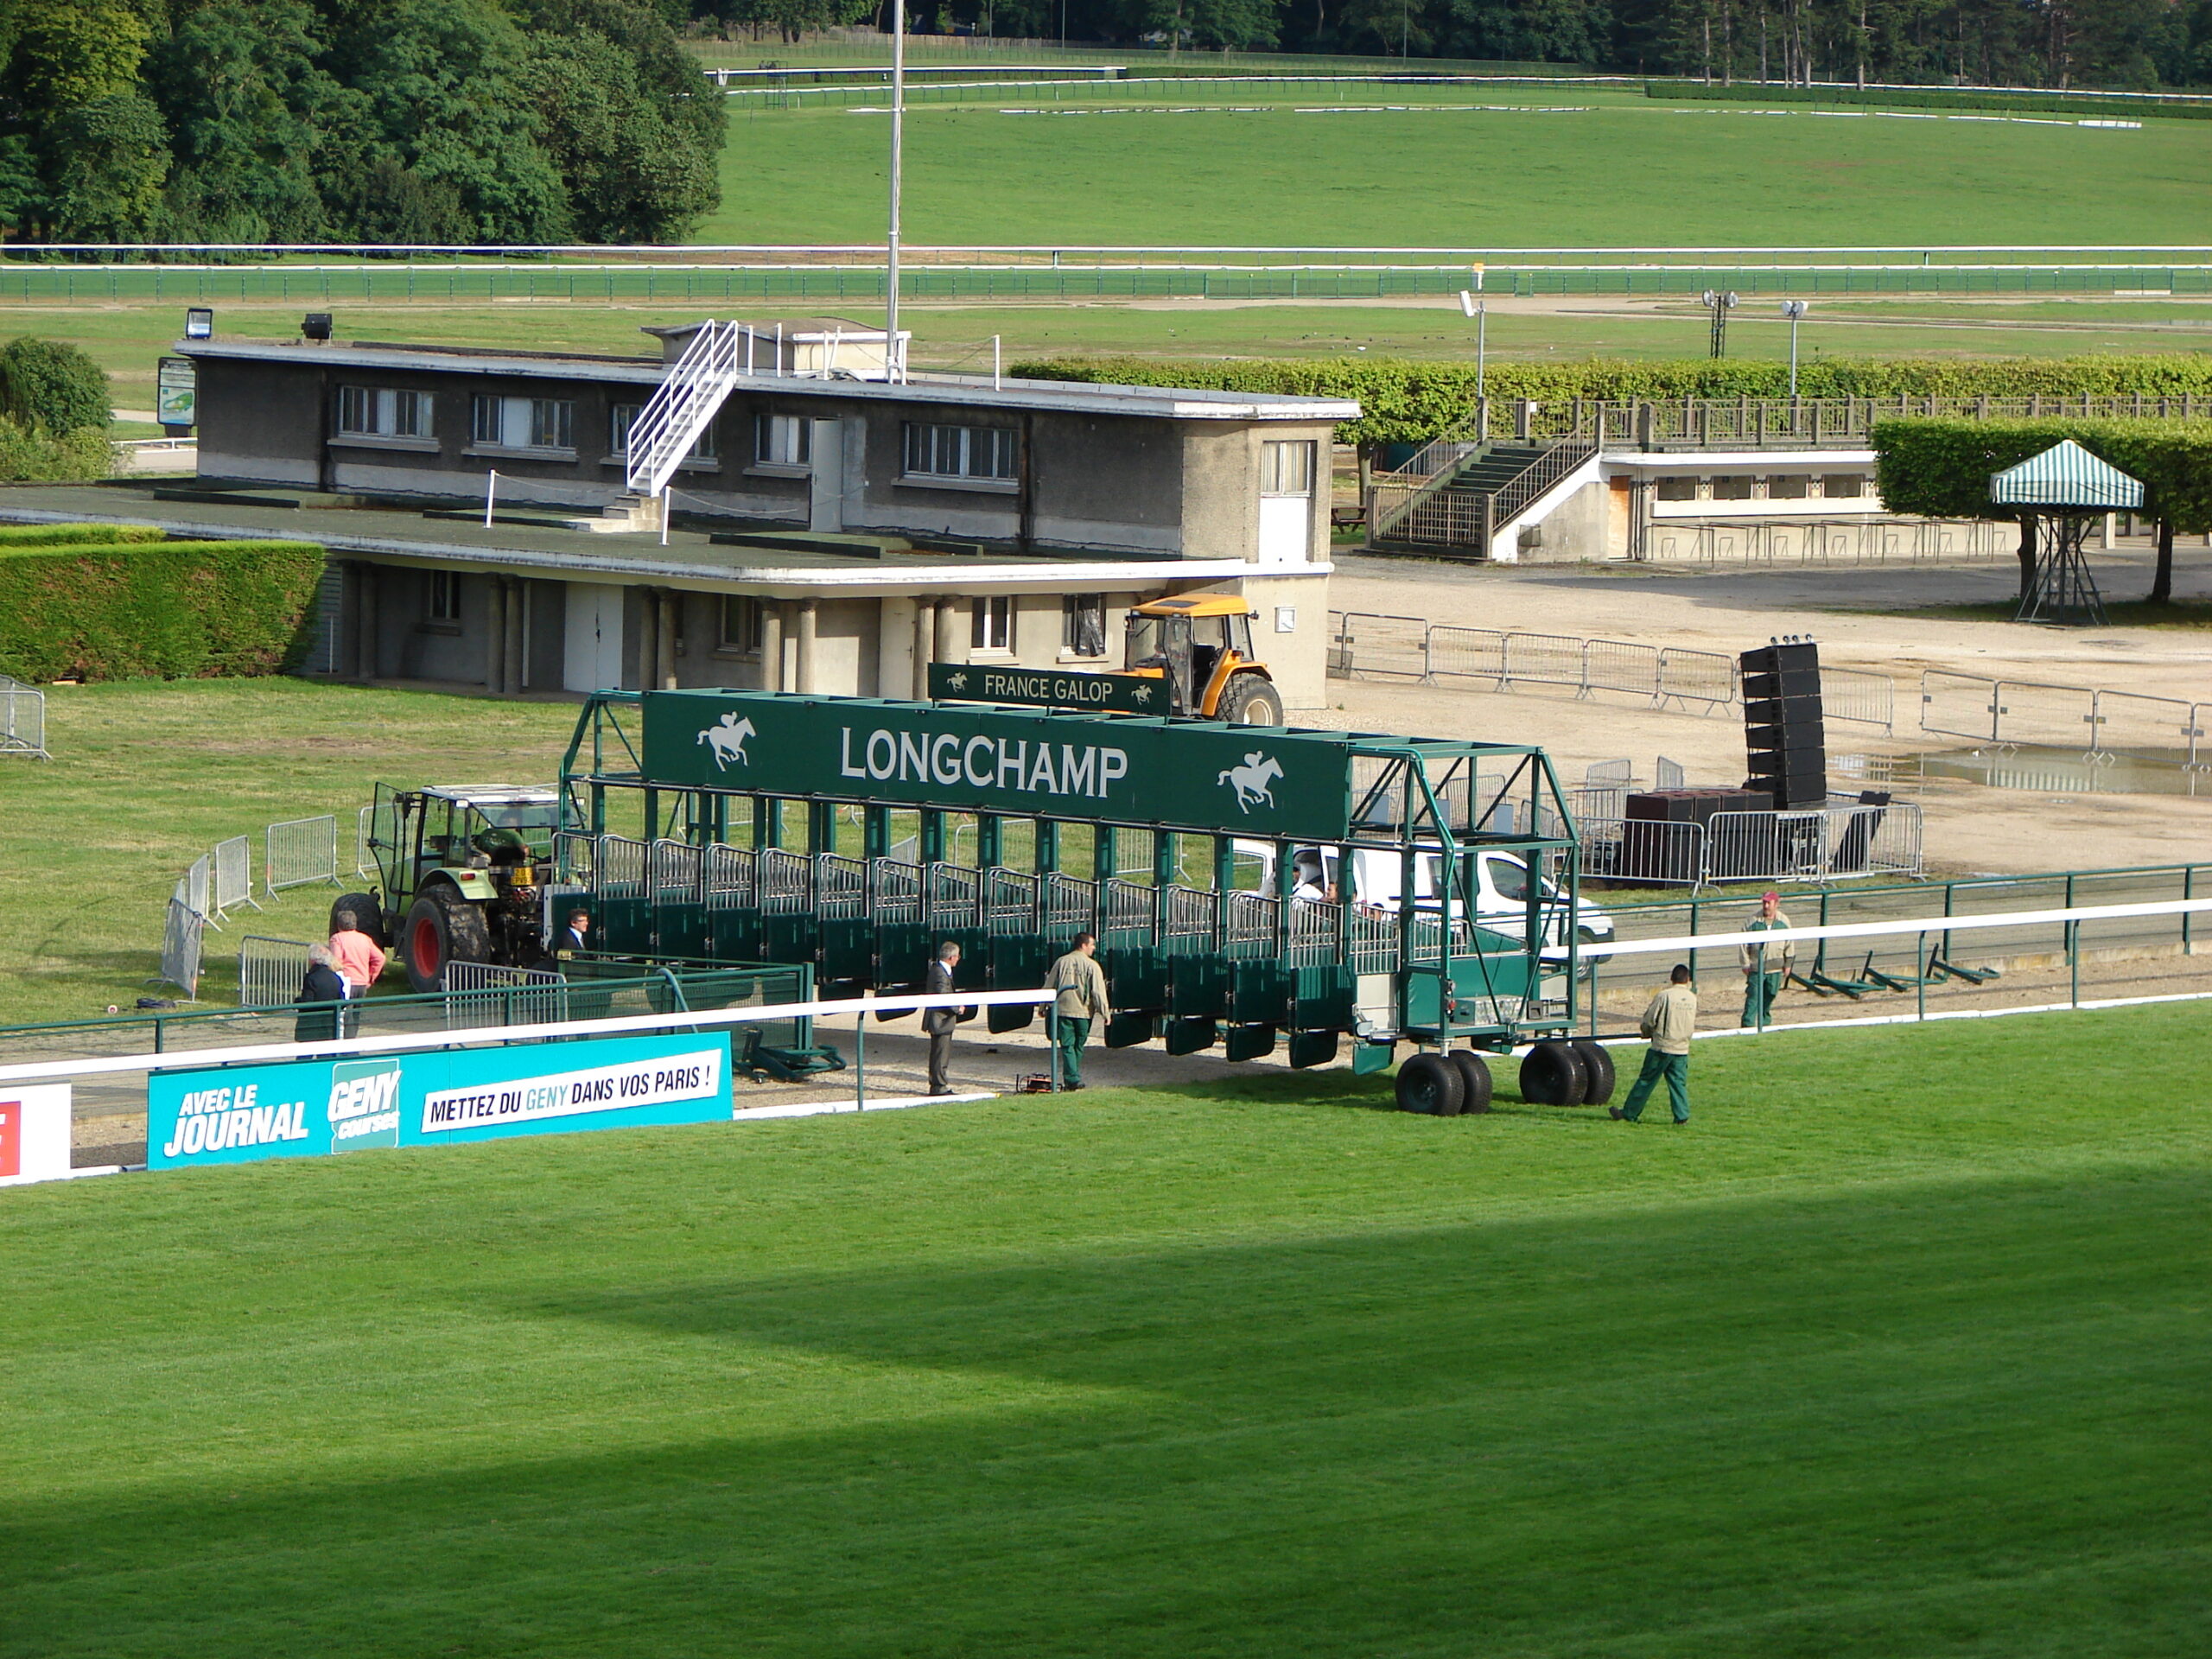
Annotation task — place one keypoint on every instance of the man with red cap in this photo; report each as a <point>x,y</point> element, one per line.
<point>1765,966</point>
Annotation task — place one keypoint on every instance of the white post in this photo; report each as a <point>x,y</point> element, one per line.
<point>893,368</point>
<point>994,363</point>
<point>490,489</point>
<point>1482,347</point>
<point>663,515</point>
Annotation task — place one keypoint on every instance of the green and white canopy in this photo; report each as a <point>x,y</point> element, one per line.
<point>2068,478</point>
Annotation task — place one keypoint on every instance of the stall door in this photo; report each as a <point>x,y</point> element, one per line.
<point>593,660</point>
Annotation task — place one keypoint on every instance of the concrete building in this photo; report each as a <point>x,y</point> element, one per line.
<point>831,530</point>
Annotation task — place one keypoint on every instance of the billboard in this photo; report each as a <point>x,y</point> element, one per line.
<point>1193,774</point>
<point>304,1108</point>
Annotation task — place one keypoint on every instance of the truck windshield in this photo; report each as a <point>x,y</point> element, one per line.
<point>1144,641</point>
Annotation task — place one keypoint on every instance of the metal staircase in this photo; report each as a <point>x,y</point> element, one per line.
<point>683,405</point>
<point>1456,495</point>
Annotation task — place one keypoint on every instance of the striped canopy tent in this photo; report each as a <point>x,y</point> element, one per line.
<point>2066,478</point>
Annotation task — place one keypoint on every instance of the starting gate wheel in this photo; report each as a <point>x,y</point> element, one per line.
<point>1598,1067</point>
<point>1552,1075</point>
<point>1430,1083</point>
<point>1474,1080</point>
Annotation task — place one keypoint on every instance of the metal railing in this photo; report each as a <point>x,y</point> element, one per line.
<point>233,883</point>
<point>22,719</point>
<point>271,972</point>
<point>2095,724</point>
<point>1842,841</point>
<point>299,851</point>
<point>682,406</point>
<point>1825,541</point>
<point>183,940</point>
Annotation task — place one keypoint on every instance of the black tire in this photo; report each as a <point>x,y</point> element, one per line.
<point>1552,1075</point>
<point>442,927</point>
<point>1248,700</point>
<point>1474,1080</point>
<point>1597,1069</point>
<point>1430,1083</point>
<point>368,916</point>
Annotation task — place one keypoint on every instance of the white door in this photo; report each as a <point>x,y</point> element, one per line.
<point>826,502</point>
<point>1287,487</point>
<point>593,658</point>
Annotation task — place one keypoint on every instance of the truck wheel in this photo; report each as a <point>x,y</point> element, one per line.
<point>1474,1080</point>
<point>441,928</point>
<point>368,916</point>
<point>1552,1075</point>
<point>1430,1083</point>
<point>1598,1069</point>
<point>1251,701</point>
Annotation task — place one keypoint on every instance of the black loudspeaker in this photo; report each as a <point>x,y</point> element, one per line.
<point>1784,739</point>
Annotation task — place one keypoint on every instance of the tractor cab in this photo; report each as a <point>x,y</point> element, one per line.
<point>1201,644</point>
<point>462,869</point>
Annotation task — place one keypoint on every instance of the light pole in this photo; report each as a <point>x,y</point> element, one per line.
<point>1720,304</point>
<point>893,369</point>
<point>1479,310</point>
<point>1794,310</point>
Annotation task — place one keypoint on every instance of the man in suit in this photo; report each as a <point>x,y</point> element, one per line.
<point>939,1022</point>
<point>570,939</point>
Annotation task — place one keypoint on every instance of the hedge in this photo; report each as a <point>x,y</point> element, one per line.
<point>161,610</point>
<point>1411,401</point>
<point>77,535</point>
<point>1939,468</point>
<point>2087,105</point>
<point>29,454</point>
<point>53,386</point>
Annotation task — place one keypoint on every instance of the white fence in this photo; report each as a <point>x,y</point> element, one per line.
<point>299,851</point>
<point>2094,723</point>
<point>193,888</point>
<point>271,972</point>
<point>22,720</point>
<point>233,862</point>
<point>182,940</point>
<point>1843,840</point>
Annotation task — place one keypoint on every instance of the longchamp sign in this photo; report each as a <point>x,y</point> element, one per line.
<point>1191,774</point>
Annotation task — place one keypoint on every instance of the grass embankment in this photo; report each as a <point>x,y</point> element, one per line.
<point>148,775</point>
<point>1899,1347</point>
<point>2193,616</point>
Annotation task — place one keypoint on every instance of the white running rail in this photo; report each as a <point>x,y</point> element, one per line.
<point>682,406</point>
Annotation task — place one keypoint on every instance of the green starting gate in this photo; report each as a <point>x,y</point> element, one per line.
<point>1245,884</point>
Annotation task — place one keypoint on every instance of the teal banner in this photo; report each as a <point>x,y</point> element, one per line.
<point>1196,775</point>
<point>1049,688</point>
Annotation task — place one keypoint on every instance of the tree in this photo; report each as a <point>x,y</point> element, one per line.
<point>245,98</point>
<point>51,387</point>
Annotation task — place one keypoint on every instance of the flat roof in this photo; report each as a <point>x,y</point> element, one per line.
<point>1065,396</point>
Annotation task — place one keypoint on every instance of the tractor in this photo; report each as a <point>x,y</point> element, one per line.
<point>1201,644</point>
<point>463,870</point>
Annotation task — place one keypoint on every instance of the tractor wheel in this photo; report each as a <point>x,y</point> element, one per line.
<point>1598,1068</point>
<point>1474,1080</point>
<point>1552,1075</point>
<point>368,916</point>
<point>441,928</point>
<point>1430,1083</point>
<point>1251,701</point>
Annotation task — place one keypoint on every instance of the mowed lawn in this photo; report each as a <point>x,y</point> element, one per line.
<point>1900,1348</point>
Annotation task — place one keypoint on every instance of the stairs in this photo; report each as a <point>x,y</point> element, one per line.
<point>1475,490</point>
<point>682,406</point>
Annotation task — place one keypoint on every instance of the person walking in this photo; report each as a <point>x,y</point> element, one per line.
<point>1765,966</point>
<point>1668,1023</point>
<point>1081,984</point>
<point>939,1022</point>
<point>358,959</point>
<point>321,1000</point>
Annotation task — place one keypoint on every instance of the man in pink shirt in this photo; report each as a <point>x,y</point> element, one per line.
<point>355,954</point>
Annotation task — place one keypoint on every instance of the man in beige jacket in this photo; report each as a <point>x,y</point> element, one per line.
<point>1668,1023</point>
<point>1765,966</point>
<point>1081,983</point>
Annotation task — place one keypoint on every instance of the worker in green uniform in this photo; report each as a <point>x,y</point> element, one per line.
<point>1765,966</point>
<point>1668,1023</point>
<point>1081,984</point>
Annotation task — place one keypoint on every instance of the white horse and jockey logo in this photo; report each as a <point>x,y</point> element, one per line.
<point>1255,780</point>
<point>727,740</point>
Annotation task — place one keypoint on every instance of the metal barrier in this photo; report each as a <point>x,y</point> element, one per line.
<point>299,851</point>
<point>1667,774</point>
<point>193,886</point>
<point>480,994</point>
<point>233,874</point>
<point>182,940</point>
<point>271,972</point>
<point>22,720</point>
<point>1842,841</point>
<point>2081,720</point>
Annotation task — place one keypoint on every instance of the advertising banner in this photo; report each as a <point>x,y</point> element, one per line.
<point>1195,774</point>
<point>176,391</point>
<point>306,1108</point>
<point>35,1130</point>
<point>1049,688</point>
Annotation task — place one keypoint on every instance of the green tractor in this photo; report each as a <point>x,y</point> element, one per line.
<point>463,869</point>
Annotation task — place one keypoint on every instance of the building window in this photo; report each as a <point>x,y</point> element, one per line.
<point>1789,486</point>
<point>744,629</point>
<point>523,423</point>
<point>383,412</point>
<point>1287,467</point>
<point>1843,487</point>
<point>994,625</point>
<point>960,451</point>
<point>1083,624</point>
<point>1678,489</point>
<point>1733,488</point>
<point>445,596</point>
<point>622,417</point>
<point>783,440</point>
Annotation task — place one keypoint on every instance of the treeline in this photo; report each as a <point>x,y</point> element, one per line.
<point>2132,45</point>
<point>257,121</point>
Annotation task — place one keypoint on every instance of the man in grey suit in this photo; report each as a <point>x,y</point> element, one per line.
<point>939,1022</point>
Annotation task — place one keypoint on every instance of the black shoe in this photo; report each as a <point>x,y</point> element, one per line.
<point>1616,1115</point>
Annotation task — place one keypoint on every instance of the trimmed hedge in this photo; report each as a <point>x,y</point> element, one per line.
<point>1939,468</point>
<point>1410,401</point>
<point>77,535</point>
<point>161,610</point>
<point>2087,105</point>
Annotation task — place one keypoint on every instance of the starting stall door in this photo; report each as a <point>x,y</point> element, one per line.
<point>593,658</point>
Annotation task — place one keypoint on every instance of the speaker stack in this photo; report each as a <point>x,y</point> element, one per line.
<point>1783,735</point>
<point>1652,851</point>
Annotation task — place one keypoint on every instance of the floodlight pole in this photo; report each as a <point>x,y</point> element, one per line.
<point>1793,309</point>
<point>893,366</point>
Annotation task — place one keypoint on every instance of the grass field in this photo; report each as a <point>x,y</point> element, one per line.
<point>1899,1349</point>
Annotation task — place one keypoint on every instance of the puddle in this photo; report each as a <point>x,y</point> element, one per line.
<point>2047,772</point>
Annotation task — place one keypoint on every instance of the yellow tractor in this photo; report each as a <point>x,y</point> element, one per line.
<point>1201,644</point>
